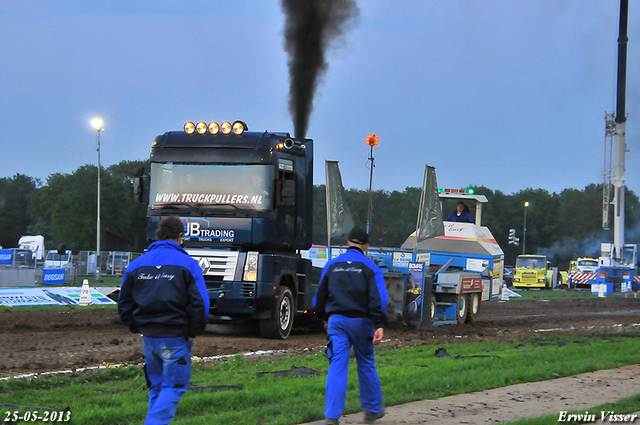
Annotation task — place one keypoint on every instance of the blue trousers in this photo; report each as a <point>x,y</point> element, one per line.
<point>343,333</point>
<point>168,367</point>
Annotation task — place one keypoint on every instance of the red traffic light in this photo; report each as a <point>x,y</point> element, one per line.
<point>372,140</point>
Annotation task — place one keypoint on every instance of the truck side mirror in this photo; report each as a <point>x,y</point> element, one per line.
<point>287,192</point>
<point>138,186</point>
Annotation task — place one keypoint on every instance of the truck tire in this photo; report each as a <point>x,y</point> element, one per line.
<point>462,308</point>
<point>473,303</point>
<point>433,308</point>
<point>279,325</point>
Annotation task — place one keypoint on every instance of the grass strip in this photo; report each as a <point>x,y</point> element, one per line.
<point>118,395</point>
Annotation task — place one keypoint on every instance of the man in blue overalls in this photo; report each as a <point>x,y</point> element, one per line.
<point>353,296</point>
<point>163,297</point>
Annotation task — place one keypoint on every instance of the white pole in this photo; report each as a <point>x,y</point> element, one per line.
<point>98,219</point>
<point>97,124</point>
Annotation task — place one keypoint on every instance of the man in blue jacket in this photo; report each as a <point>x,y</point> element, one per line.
<point>462,214</point>
<point>352,297</point>
<point>163,297</point>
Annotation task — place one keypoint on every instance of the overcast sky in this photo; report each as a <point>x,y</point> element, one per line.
<point>501,93</point>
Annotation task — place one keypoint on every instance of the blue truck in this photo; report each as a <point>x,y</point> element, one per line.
<point>245,199</point>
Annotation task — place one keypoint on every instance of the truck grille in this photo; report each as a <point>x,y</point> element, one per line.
<point>216,265</point>
<point>529,278</point>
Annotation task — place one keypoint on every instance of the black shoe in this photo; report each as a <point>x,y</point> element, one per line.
<point>332,421</point>
<point>370,417</point>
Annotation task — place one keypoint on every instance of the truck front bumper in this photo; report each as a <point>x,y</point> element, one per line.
<point>241,298</point>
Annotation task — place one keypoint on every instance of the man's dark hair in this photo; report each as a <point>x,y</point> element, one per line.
<point>169,228</point>
<point>465,208</point>
<point>359,236</point>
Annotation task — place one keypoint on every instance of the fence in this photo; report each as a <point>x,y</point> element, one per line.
<point>112,263</point>
<point>21,274</point>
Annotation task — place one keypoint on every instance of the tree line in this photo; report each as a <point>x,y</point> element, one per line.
<point>563,225</point>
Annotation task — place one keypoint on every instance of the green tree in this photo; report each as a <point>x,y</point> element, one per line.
<point>68,206</point>
<point>136,232</point>
<point>14,218</point>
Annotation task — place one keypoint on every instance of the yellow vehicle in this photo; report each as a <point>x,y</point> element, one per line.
<point>532,271</point>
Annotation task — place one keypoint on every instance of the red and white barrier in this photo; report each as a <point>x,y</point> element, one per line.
<point>581,278</point>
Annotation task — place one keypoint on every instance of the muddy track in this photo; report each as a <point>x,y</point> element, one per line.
<point>35,342</point>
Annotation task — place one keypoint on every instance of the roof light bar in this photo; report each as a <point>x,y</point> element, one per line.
<point>213,127</point>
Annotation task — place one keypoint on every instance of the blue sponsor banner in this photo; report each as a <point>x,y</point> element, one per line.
<point>5,256</point>
<point>415,293</point>
<point>53,276</point>
<point>49,296</point>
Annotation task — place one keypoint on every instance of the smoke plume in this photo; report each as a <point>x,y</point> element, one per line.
<point>311,26</point>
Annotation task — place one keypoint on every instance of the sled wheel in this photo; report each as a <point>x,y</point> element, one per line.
<point>462,308</point>
<point>473,302</point>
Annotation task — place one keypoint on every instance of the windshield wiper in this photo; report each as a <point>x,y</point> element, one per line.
<point>237,208</point>
<point>175,205</point>
<point>203,210</point>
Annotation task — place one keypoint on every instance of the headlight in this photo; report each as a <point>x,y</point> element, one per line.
<point>201,127</point>
<point>251,267</point>
<point>540,280</point>
<point>225,127</point>
<point>239,127</point>
<point>189,127</point>
<point>214,127</point>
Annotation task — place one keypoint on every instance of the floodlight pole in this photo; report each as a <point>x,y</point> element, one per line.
<point>97,124</point>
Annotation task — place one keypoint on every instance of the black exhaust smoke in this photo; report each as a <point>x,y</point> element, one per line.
<point>311,26</point>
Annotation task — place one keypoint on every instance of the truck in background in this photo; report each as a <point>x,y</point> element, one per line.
<point>245,199</point>
<point>55,260</point>
<point>35,244</point>
<point>616,272</point>
<point>582,272</point>
<point>533,271</point>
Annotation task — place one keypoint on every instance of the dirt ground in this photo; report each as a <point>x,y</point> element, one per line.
<point>35,342</point>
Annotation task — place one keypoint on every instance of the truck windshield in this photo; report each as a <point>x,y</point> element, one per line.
<point>54,256</point>
<point>242,186</point>
<point>588,263</point>
<point>628,256</point>
<point>530,263</point>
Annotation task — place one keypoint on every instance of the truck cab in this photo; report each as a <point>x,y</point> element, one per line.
<point>245,199</point>
<point>54,260</point>
<point>586,265</point>
<point>532,271</point>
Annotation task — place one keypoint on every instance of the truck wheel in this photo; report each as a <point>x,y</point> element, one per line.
<point>473,302</point>
<point>462,308</point>
<point>279,325</point>
<point>433,308</point>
